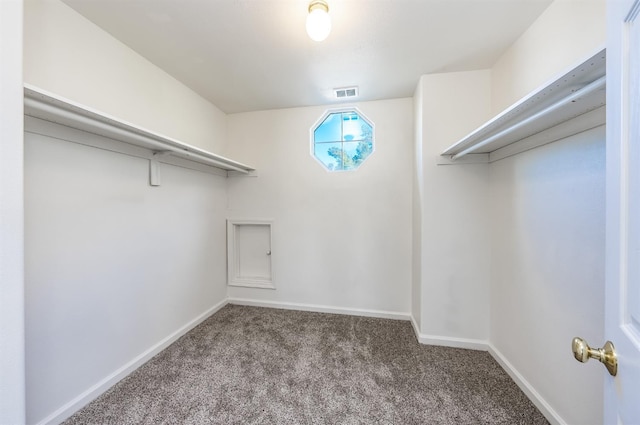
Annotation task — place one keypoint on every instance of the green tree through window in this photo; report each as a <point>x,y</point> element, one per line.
<point>343,140</point>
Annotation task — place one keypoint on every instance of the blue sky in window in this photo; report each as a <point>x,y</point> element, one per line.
<point>353,127</point>
<point>330,130</point>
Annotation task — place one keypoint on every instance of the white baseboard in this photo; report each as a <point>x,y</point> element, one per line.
<point>527,388</point>
<point>544,407</point>
<point>92,393</point>
<point>447,341</point>
<point>320,308</point>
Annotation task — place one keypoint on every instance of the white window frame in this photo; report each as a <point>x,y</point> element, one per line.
<point>323,117</point>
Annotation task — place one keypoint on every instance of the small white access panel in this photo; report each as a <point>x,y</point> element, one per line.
<point>249,253</point>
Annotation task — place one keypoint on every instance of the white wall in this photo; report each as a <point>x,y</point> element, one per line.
<point>12,398</point>
<point>70,56</point>
<point>548,225</point>
<point>417,205</point>
<point>567,33</point>
<point>548,269</point>
<point>455,238</point>
<point>339,239</point>
<point>113,265</point>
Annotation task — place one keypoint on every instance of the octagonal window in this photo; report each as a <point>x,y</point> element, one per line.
<point>342,140</point>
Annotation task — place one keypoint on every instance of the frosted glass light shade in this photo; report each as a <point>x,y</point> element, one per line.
<point>318,23</point>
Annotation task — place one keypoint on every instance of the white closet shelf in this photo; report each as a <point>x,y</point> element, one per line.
<point>49,107</point>
<point>570,104</point>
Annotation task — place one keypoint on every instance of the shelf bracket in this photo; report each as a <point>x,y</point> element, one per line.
<point>154,167</point>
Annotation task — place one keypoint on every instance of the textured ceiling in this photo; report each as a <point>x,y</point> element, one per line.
<point>246,55</point>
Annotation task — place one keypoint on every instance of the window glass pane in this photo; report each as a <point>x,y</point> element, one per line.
<point>330,130</point>
<point>355,153</point>
<point>350,127</point>
<point>350,155</point>
<point>355,128</point>
<point>330,154</point>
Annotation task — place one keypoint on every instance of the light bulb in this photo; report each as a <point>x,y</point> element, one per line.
<point>318,21</point>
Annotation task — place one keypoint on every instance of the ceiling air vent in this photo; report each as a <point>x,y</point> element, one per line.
<point>346,92</point>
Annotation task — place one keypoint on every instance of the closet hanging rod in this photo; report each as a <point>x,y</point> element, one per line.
<point>586,90</point>
<point>49,108</point>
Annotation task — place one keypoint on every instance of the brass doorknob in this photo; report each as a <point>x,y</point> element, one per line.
<point>607,354</point>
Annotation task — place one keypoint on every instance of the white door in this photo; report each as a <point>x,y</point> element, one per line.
<point>622,293</point>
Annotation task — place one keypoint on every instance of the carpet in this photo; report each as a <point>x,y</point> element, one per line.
<point>250,365</point>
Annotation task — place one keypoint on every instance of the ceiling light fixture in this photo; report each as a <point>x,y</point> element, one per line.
<point>318,20</point>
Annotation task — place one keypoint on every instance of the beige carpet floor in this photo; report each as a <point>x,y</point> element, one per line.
<point>249,365</point>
